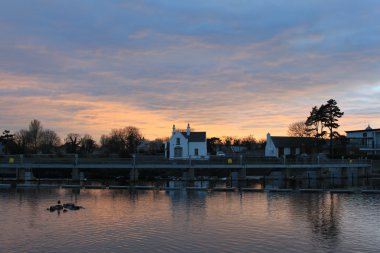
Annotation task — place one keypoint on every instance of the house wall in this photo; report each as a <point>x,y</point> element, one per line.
<point>288,151</point>
<point>359,139</point>
<point>369,144</point>
<point>377,138</point>
<point>183,144</point>
<point>270,148</point>
<point>272,151</point>
<point>202,149</point>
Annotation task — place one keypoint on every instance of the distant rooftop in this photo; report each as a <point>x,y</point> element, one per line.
<point>282,141</point>
<point>368,129</point>
<point>196,136</point>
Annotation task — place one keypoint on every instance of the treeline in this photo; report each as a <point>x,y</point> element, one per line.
<point>37,140</point>
<point>124,142</point>
<point>234,144</point>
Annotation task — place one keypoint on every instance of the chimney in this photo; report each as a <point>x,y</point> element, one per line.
<point>188,129</point>
<point>173,129</point>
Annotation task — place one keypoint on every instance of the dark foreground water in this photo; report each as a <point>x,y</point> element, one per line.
<point>180,221</point>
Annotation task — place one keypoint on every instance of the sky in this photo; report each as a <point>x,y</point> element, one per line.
<point>227,67</point>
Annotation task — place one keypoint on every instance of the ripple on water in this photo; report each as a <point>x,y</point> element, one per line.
<point>120,221</point>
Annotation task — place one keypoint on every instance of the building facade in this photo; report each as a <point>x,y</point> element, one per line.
<point>280,146</point>
<point>366,141</point>
<point>187,145</point>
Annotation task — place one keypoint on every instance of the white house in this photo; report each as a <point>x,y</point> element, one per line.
<point>366,140</point>
<point>279,146</point>
<point>185,145</point>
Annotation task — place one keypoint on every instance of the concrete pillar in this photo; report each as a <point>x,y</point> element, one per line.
<point>335,176</point>
<point>276,179</point>
<point>134,174</point>
<point>24,174</point>
<point>190,174</point>
<point>311,179</point>
<point>242,174</point>
<point>352,175</point>
<point>28,176</point>
<point>288,173</point>
<point>20,174</point>
<point>75,174</point>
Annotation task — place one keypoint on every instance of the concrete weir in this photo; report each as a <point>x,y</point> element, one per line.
<point>333,169</point>
<point>224,189</point>
<point>252,190</point>
<point>311,190</point>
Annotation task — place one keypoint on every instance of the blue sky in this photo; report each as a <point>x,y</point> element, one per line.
<point>226,67</point>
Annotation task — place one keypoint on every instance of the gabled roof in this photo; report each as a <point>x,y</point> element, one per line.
<point>195,136</point>
<point>293,142</point>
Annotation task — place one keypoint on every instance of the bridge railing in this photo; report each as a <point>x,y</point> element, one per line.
<point>161,160</point>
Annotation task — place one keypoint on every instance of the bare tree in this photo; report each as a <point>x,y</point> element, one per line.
<point>49,141</point>
<point>124,140</point>
<point>249,142</point>
<point>22,140</point>
<point>88,145</point>
<point>35,130</point>
<point>72,142</point>
<point>299,129</point>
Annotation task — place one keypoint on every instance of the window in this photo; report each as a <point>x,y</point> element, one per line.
<point>364,135</point>
<point>178,141</point>
<point>196,151</point>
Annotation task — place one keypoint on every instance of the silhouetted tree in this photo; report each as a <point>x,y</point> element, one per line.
<point>22,140</point>
<point>87,144</point>
<point>300,129</point>
<point>212,144</point>
<point>35,130</point>
<point>249,142</point>
<point>315,122</point>
<point>72,142</point>
<point>7,140</point>
<point>123,141</point>
<point>236,142</point>
<point>332,114</point>
<point>327,115</point>
<point>157,146</point>
<point>228,140</point>
<point>49,141</point>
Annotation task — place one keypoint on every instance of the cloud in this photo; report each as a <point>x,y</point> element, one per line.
<point>229,67</point>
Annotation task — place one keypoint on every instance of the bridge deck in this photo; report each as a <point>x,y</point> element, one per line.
<point>185,166</point>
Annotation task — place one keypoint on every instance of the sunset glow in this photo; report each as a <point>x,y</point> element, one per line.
<point>230,68</point>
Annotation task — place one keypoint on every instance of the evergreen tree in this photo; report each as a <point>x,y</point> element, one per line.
<point>326,116</point>
<point>315,122</point>
<point>332,114</point>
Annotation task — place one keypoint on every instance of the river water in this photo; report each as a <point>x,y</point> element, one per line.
<point>188,221</point>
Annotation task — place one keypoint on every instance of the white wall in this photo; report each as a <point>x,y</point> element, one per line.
<point>270,148</point>
<point>202,149</point>
<point>359,137</point>
<point>188,149</point>
<point>183,144</point>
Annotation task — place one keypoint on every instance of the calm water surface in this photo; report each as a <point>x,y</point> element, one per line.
<point>180,221</point>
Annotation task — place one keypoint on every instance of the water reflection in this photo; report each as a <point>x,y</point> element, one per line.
<point>188,221</point>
